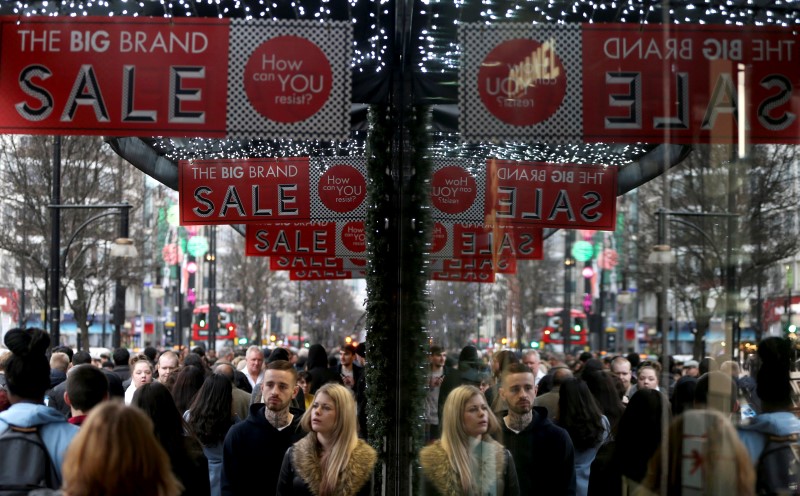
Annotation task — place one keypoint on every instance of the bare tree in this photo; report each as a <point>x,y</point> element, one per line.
<point>721,258</point>
<point>90,174</point>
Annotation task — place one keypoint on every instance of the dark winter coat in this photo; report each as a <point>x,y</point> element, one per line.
<point>253,451</point>
<point>317,366</point>
<point>543,455</point>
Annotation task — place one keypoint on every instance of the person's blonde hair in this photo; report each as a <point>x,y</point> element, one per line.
<point>726,465</point>
<point>345,434</point>
<point>59,360</point>
<point>455,440</point>
<point>115,446</point>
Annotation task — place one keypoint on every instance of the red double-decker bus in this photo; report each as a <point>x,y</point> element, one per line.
<point>227,325</point>
<point>553,332</point>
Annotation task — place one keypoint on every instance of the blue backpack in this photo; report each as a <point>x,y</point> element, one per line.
<point>778,470</point>
<point>25,464</point>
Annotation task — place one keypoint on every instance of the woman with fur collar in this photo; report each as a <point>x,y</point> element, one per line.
<point>466,460</point>
<point>331,459</point>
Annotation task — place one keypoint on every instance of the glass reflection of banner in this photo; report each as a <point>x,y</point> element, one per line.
<point>572,196</point>
<point>601,83</point>
<point>466,241</point>
<point>193,77</point>
<point>296,262</point>
<point>236,191</point>
<point>460,276</point>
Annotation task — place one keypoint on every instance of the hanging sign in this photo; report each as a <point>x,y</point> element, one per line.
<point>234,191</point>
<point>319,274</point>
<point>465,241</point>
<point>498,265</point>
<point>608,83</point>
<point>194,77</point>
<point>457,190</point>
<point>462,276</point>
<point>310,239</point>
<point>569,196</point>
<point>299,262</point>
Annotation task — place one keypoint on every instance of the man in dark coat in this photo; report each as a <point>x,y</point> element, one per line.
<point>253,450</point>
<point>317,366</point>
<point>542,451</point>
<point>470,370</point>
<point>122,368</point>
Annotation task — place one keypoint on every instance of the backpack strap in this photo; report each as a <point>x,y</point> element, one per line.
<point>25,430</point>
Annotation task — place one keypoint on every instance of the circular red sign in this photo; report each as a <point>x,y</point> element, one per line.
<point>287,79</point>
<point>353,236</point>
<point>439,238</point>
<point>522,82</point>
<point>453,190</point>
<point>342,188</point>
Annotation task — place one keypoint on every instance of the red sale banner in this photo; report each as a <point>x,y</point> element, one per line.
<point>609,83</point>
<point>196,77</point>
<point>317,275</point>
<point>520,242</point>
<point>234,191</point>
<point>297,262</point>
<point>703,71</point>
<point>310,239</point>
<point>571,196</point>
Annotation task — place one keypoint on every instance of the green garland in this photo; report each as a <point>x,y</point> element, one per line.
<point>397,302</point>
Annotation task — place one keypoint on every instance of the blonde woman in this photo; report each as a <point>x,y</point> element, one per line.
<point>466,460</point>
<point>331,459</point>
<point>116,454</point>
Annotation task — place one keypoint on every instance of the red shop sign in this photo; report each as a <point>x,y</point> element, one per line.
<point>568,196</point>
<point>235,191</point>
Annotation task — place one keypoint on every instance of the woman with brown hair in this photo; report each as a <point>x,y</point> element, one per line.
<point>141,374</point>
<point>330,459</point>
<point>466,460</point>
<point>116,454</point>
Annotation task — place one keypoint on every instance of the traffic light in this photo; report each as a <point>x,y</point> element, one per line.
<point>242,341</point>
<point>535,344</point>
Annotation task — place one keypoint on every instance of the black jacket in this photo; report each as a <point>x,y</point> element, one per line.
<point>317,366</point>
<point>543,455</point>
<point>253,452</point>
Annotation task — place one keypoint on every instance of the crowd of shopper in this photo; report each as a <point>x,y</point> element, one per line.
<point>272,422</point>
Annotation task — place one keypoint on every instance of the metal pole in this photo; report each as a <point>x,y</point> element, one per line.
<point>566,312</point>
<point>480,317</point>
<point>55,248</point>
<point>661,312</point>
<point>119,287</point>
<point>299,315</point>
<point>213,310</point>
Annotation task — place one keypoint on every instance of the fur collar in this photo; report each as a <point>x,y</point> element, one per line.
<point>357,473</point>
<point>437,469</point>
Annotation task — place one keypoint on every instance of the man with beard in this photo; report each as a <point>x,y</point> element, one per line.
<point>253,450</point>
<point>542,451</point>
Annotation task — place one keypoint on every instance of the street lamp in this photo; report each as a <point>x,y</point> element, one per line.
<point>122,247</point>
<point>661,254</point>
